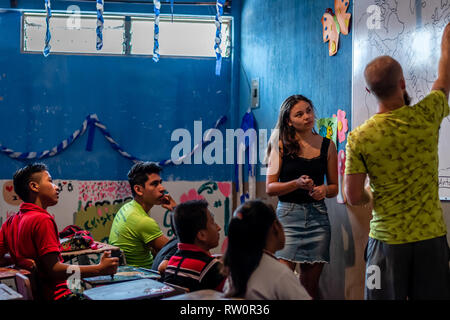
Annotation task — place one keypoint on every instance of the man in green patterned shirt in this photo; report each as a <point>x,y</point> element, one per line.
<point>133,230</point>
<point>407,255</point>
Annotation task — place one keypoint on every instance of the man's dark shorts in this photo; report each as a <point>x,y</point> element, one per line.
<point>414,271</point>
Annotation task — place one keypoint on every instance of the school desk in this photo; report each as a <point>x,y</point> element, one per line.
<point>6,293</point>
<point>130,290</point>
<point>8,273</point>
<point>124,273</point>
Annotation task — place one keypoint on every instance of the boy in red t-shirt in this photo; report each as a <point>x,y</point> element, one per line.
<point>32,234</point>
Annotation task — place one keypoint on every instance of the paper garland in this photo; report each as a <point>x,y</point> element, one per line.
<point>100,22</point>
<point>48,35</point>
<point>157,7</point>
<point>218,38</point>
<point>91,122</point>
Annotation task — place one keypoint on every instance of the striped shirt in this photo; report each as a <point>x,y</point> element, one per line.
<point>194,268</point>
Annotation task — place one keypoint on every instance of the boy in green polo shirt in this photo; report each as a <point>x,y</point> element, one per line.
<point>133,230</point>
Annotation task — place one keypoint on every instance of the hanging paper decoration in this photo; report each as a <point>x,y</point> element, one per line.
<point>157,7</point>
<point>248,122</point>
<point>91,121</point>
<point>48,36</point>
<point>218,38</point>
<point>334,24</point>
<point>342,125</point>
<point>328,128</point>
<point>100,23</point>
<point>171,7</point>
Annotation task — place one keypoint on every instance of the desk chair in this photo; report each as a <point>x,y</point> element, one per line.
<point>29,285</point>
<point>23,286</point>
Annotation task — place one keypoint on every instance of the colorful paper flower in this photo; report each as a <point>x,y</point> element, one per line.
<point>342,125</point>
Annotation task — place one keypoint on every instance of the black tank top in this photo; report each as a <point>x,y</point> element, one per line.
<point>294,166</point>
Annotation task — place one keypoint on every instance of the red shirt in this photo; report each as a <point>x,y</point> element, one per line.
<point>30,234</point>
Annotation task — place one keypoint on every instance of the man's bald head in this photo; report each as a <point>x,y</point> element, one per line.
<point>382,76</point>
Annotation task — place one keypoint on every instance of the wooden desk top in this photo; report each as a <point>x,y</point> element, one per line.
<point>6,293</point>
<point>101,248</point>
<point>7,273</point>
<point>130,290</point>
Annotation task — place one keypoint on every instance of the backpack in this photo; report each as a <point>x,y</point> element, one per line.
<point>74,238</point>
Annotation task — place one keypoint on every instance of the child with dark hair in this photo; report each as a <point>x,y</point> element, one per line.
<point>193,267</point>
<point>31,236</point>
<point>133,229</point>
<point>254,235</point>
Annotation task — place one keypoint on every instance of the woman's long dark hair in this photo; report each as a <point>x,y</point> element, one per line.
<point>247,236</point>
<point>285,131</point>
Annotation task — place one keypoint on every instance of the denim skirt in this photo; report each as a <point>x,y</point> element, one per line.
<point>307,231</point>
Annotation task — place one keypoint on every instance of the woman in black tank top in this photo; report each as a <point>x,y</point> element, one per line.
<point>299,159</point>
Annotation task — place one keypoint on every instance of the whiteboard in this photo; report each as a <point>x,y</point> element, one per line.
<point>410,31</point>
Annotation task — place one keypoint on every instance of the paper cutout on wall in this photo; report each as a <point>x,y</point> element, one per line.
<point>328,128</point>
<point>9,195</point>
<point>334,24</point>
<point>341,172</point>
<point>342,125</point>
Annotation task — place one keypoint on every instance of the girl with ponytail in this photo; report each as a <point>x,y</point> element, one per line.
<point>254,235</point>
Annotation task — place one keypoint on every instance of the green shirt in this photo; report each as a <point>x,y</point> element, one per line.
<point>131,231</point>
<point>399,152</point>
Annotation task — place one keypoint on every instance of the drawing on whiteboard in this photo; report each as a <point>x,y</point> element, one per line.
<point>410,33</point>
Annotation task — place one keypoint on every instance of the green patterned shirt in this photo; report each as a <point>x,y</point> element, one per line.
<point>399,152</point>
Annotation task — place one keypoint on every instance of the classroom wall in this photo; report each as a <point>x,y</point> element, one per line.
<point>43,100</point>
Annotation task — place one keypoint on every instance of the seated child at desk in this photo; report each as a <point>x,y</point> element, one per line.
<point>31,236</point>
<point>254,235</point>
<point>192,266</point>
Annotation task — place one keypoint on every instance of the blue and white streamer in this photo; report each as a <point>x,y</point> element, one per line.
<point>48,36</point>
<point>47,153</point>
<point>92,121</point>
<point>171,7</point>
<point>100,22</point>
<point>218,123</point>
<point>218,38</point>
<point>248,123</point>
<point>157,7</point>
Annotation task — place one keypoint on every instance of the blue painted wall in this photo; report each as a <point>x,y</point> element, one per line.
<point>281,44</point>
<point>44,100</point>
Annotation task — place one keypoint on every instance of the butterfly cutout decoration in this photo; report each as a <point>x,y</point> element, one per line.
<point>334,24</point>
